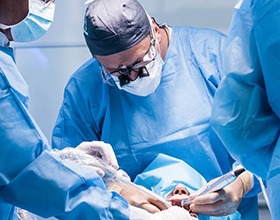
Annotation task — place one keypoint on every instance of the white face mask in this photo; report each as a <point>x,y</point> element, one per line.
<point>37,22</point>
<point>144,86</point>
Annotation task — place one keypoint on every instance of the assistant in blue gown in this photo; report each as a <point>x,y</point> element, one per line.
<point>31,177</point>
<point>173,120</point>
<point>247,104</point>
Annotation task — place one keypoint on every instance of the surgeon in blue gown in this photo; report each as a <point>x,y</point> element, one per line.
<point>247,104</point>
<point>148,89</point>
<point>31,176</point>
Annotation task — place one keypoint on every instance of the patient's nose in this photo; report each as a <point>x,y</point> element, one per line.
<point>180,189</point>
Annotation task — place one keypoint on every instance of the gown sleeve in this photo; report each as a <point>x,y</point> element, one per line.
<point>32,178</point>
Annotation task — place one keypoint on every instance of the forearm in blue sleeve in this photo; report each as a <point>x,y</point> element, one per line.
<point>37,181</point>
<point>68,191</point>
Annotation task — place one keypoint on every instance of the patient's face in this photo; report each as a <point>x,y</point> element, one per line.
<point>181,193</point>
<point>178,194</point>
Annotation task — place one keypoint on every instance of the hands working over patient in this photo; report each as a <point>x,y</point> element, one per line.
<point>146,206</point>
<point>218,203</point>
<point>142,205</point>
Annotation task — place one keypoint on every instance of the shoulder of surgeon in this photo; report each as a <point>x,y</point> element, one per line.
<point>199,37</point>
<point>86,85</point>
<point>87,73</point>
<point>87,79</point>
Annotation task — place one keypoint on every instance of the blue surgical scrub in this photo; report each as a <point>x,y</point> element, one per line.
<point>247,104</point>
<point>173,120</point>
<point>33,179</point>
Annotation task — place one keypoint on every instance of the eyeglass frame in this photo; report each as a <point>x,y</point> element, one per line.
<point>107,76</point>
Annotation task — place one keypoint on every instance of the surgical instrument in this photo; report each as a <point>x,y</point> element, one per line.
<point>216,185</point>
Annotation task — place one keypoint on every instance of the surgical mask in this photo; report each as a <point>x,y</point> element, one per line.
<point>4,26</point>
<point>144,86</point>
<point>37,22</point>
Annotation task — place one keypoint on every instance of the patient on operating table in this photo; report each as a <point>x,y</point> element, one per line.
<point>168,177</point>
<point>115,180</point>
<point>174,179</point>
<point>162,178</point>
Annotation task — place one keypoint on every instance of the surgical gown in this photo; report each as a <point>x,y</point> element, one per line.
<point>247,104</point>
<point>30,177</point>
<point>173,120</point>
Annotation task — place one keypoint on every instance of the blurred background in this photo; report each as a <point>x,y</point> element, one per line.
<point>48,63</point>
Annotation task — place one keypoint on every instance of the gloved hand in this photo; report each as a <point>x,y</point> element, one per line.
<point>22,214</point>
<point>225,201</point>
<point>174,213</point>
<point>100,149</point>
<point>25,215</point>
<point>80,157</point>
<point>137,197</point>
